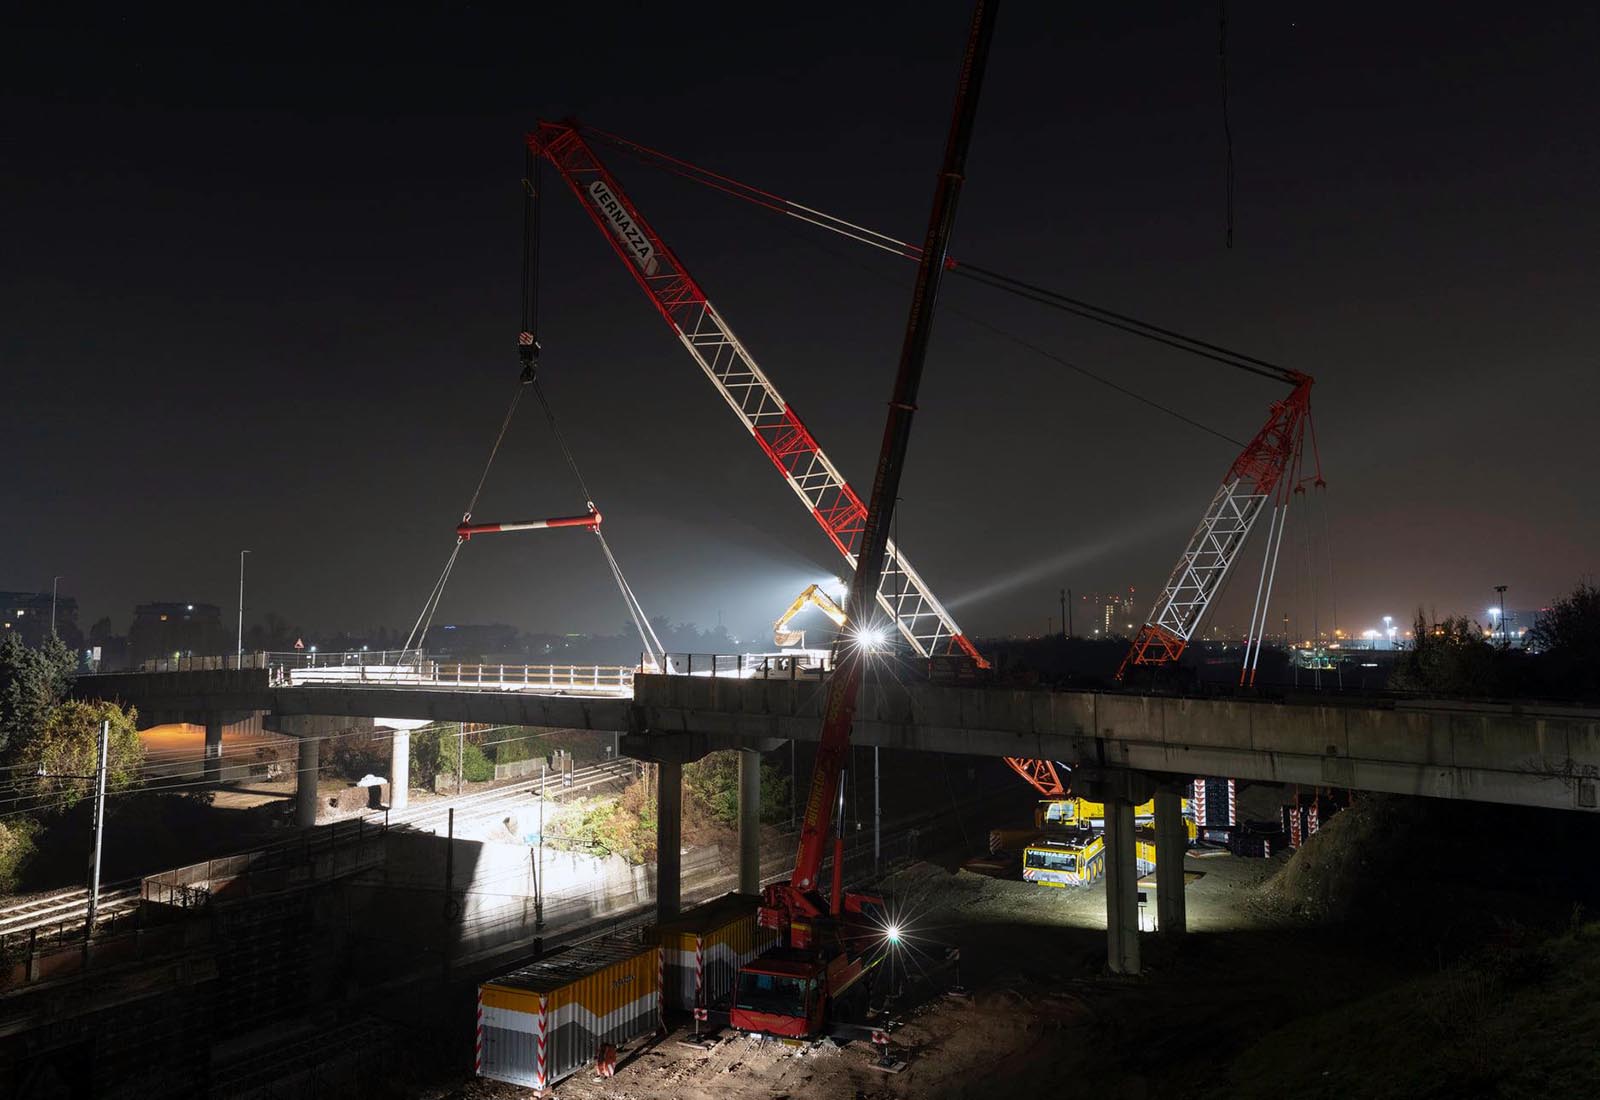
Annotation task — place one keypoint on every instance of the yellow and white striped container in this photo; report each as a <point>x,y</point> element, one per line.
<point>703,948</point>
<point>538,1024</point>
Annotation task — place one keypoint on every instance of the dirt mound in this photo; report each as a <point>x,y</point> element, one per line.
<point>1349,861</point>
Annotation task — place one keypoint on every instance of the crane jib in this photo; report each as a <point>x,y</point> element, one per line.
<point>622,224</point>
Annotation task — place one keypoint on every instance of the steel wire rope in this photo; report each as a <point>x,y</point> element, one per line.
<point>1045,296</point>
<point>641,621</point>
<point>1025,343</point>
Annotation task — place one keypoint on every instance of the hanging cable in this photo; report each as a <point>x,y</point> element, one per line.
<point>1227,122</point>
<point>528,347</point>
<point>882,241</point>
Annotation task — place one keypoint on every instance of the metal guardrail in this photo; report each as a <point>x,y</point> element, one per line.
<point>799,664</point>
<point>287,660</point>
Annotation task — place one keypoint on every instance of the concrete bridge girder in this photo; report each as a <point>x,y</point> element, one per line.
<point>1546,756</point>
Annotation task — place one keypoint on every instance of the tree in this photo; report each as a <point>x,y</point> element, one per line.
<point>68,744</point>
<point>16,846</point>
<point>713,782</point>
<point>1452,656</point>
<point>1567,641</point>
<point>31,682</point>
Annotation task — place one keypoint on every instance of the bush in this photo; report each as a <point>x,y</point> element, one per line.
<point>625,827</point>
<point>16,848</point>
<point>353,755</point>
<point>712,785</point>
<point>475,766</point>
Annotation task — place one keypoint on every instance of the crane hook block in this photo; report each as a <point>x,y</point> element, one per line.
<point>590,522</point>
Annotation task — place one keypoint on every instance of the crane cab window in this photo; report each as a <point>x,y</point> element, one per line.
<point>774,993</point>
<point>1049,859</point>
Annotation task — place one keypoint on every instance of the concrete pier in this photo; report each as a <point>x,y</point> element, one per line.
<point>305,786</point>
<point>400,770</point>
<point>213,750</point>
<point>749,821</point>
<point>1172,844</point>
<point>1122,889</point>
<point>669,839</point>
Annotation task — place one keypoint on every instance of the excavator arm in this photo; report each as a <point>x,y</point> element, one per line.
<point>815,596</point>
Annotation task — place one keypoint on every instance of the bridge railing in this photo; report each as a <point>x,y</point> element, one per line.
<point>798,664</point>
<point>288,660</point>
<point>534,677</point>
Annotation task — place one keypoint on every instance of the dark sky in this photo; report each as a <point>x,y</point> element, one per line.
<point>260,289</point>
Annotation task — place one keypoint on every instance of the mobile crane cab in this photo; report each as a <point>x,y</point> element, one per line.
<point>796,991</point>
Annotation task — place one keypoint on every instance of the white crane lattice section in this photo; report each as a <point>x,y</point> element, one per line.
<point>1212,548</point>
<point>902,593</point>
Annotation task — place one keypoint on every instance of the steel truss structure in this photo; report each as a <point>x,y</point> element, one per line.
<point>1254,478</point>
<point>902,593</point>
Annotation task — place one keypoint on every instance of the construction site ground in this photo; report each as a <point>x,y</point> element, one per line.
<point>1432,992</point>
<point>1041,1010</point>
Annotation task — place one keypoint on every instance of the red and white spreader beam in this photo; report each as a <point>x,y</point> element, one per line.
<point>590,522</point>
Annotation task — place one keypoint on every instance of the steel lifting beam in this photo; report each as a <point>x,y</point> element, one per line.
<point>924,623</point>
<point>588,521</point>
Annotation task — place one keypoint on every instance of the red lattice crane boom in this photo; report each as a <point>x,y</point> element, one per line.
<point>922,620</point>
<point>1257,476</point>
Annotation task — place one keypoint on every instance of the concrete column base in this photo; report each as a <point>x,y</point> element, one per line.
<point>749,822</point>
<point>1122,889</point>
<point>669,839</point>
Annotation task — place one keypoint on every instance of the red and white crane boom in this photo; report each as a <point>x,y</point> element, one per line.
<point>902,593</point>
<point>1257,477</point>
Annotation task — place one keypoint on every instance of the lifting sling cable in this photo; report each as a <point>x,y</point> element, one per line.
<point>528,348</point>
<point>641,621</point>
<point>419,629</point>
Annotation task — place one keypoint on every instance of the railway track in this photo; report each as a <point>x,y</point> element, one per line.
<point>65,907</point>
<point>480,806</point>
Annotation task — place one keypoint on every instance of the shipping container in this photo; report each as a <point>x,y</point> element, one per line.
<point>544,1021</point>
<point>703,948</point>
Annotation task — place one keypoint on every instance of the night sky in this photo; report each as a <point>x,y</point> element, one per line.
<point>260,289</point>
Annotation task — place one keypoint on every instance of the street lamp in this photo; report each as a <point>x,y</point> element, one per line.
<point>1500,591</point>
<point>239,653</point>
<point>54,581</point>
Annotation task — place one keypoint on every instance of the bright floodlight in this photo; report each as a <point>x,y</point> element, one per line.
<point>892,933</point>
<point>872,639</point>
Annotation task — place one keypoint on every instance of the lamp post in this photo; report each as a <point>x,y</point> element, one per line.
<point>54,582</point>
<point>1505,634</point>
<point>239,652</point>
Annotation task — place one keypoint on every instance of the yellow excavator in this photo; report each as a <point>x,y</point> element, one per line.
<point>814,595</point>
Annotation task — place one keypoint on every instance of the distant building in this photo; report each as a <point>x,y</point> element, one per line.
<point>27,614</point>
<point>177,629</point>
<point>1112,613</point>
